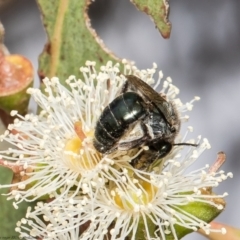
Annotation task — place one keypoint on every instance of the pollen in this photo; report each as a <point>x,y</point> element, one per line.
<point>136,197</point>
<point>79,155</point>
<point>79,151</point>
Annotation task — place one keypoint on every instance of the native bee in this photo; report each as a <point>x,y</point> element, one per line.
<point>140,106</point>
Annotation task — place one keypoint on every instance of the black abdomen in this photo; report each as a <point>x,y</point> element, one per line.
<point>116,119</point>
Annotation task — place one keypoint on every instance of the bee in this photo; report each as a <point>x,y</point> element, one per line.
<point>138,106</point>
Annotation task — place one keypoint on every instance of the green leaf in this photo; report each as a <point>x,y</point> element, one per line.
<point>72,41</point>
<point>140,234</point>
<point>8,214</point>
<point>158,10</point>
<point>203,211</point>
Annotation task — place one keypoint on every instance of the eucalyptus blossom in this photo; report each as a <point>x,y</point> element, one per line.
<point>88,195</point>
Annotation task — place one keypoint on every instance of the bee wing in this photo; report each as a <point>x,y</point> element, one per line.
<point>142,88</point>
<point>136,84</point>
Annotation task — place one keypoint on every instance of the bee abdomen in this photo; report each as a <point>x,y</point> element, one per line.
<point>116,119</point>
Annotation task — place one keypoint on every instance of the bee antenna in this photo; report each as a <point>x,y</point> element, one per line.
<point>185,144</point>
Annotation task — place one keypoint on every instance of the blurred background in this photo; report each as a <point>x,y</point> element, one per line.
<point>202,57</point>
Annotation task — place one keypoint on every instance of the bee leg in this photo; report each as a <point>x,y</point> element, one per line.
<point>154,156</point>
<point>124,87</point>
<point>145,159</point>
<point>126,145</point>
<point>131,144</point>
<point>139,162</point>
<point>127,87</point>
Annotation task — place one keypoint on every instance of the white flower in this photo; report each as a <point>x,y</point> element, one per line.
<point>54,149</point>
<point>131,205</point>
<point>96,195</point>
